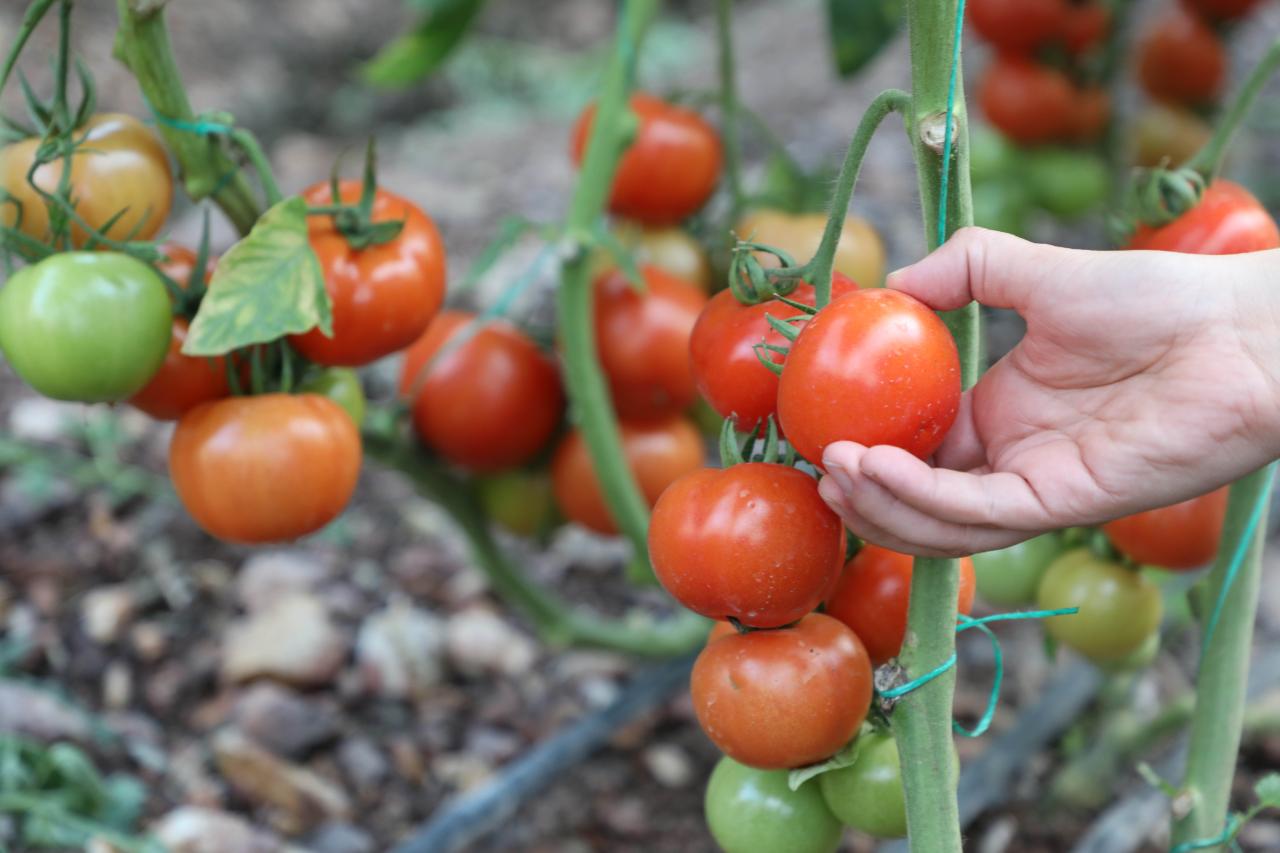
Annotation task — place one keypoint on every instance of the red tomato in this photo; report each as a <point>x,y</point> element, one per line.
<point>1221,10</point>
<point>265,469</point>
<point>643,341</point>
<point>1086,26</point>
<point>383,295</point>
<point>658,453</point>
<point>1027,102</point>
<point>486,404</point>
<point>1182,536</point>
<point>1019,26</point>
<point>725,366</point>
<point>754,541</point>
<point>875,367</point>
<point>669,170</point>
<point>786,697</point>
<point>872,594</point>
<point>1227,221</point>
<point>1090,115</point>
<point>1181,60</point>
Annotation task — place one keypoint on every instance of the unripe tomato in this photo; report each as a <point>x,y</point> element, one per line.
<point>265,469</point>
<point>755,811</point>
<point>722,346</point>
<point>643,341</point>
<point>1119,609</point>
<point>1003,204</point>
<point>120,166</point>
<point>1086,26</point>
<point>875,367</point>
<point>1221,10</point>
<point>520,501</point>
<point>670,249</point>
<point>383,295</point>
<point>754,542</point>
<point>1182,536</point>
<point>342,386</point>
<point>1027,102</point>
<point>991,156</point>
<point>486,404</point>
<point>92,327</point>
<point>871,597</point>
<point>670,168</point>
<point>1228,220</point>
<point>1010,577</point>
<point>1182,61</point>
<point>1140,658</point>
<point>785,697</point>
<point>868,794</point>
<point>1167,135</point>
<point>1090,115</point>
<point>1019,26</point>
<point>1068,184</point>
<point>860,252</point>
<point>658,453</point>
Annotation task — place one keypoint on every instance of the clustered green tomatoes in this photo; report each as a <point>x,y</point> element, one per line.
<point>755,811</point>
<point>1010,577</point>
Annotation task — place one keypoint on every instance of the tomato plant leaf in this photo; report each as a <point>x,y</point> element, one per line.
<point>416,54</point>
<point>1268,791</point>
<point>266,286</point>
<point>860,29</point>
<point>844,758</point>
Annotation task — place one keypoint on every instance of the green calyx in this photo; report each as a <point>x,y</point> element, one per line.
<point>355,221</point>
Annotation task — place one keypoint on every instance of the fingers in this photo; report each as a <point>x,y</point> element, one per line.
<point>962,449</point>
<point>992,267</point>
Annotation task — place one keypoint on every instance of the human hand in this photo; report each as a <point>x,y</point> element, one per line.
<point>1144,378</point>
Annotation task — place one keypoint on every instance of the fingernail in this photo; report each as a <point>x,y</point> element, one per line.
<point>841,475</point>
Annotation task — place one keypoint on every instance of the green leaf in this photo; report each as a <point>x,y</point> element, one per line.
<point>860,29</point>
<point>268,285</point>
<point>416,54</point>
<point>1268,790</point>
<point>843,758</point>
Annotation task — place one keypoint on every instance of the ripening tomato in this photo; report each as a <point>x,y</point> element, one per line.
<point>670,249</point>
<point>486,404</point>
<point>1221,10</point>
<point>1068,183</point>
<point>1167,135</point>
<point>785,697</point>
<point>519,500</point>
<point>383,295</point>
<point>1119,609</point>
<point>1182,536</point>
<point>1019,26</point>
<point>755,811</point>
<point>91,327</point>
<point>754,542</point>
<point>871,598</point>
<point>1181,60</point>
<point>875,367</point>
<point>722,346</point>
<point>120,165</point>
<point>860,253</point>
<point>1228,220</point>
<point>1027,102</point>
<point>1085,27</point>
<point>658,452</point>
<point>670,168</point>
<point>179,264</point>
<point>1090,115</point>
<point>268,468</point>
<point>643,341</point>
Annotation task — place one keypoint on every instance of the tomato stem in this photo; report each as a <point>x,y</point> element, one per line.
<point>729,107</point>
<point>1208,160</point>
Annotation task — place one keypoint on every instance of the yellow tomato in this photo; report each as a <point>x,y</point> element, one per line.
<point>669,249</point>
<point>859,254</point>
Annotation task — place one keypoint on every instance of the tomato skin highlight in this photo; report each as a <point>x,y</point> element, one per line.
<point>755,811</point>
<point>1181,60</point>
<point>121,164</point>
<point>658,453</point>
<point>786,697</point>
<point>268,468</point>
<point>91,327</point>
<point>643,341</point>
<point>383,296</point>
<point>670,168</point>
<point>1180,536</point>
<point>725,367</point>
<point>1019,26</point>
<point>871,597</point>
<point>1119,608</point>
<point>860,253</point>
<point>876,367</point>
<point>487,405</point>
<point>1228,220</point>
<point>754,542</point>
<point>1027,102</point>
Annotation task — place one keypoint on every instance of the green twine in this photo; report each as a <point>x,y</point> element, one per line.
<point>946,143</point>
<point>1234,822</point>
<point>200,127</point>
<point>1237,558</point>
<point>965,623</point>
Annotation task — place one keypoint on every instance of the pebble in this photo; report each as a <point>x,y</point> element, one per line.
<point>283,720</point>
<point>408,760</point>
<point>340,838</point>
<point>149,641</point>
<point>669,764</point>
<point>106,611</point>
<point>480,642</point>
<point>461,770</point>
<point>292,641</point>
<point>300,797</point>
<point>117,685</point>
<point>38,714</point>
<point>270,576</point>
<point>41,419</point>
<point>192,829</point>
<point>400,651</point>
<point>364,764</point>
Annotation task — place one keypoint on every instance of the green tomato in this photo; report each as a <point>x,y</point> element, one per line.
<point>754,811</point>
<point>342,386</point>
<point>991,156</point>
<point>1139,658</point>
<point>1010,577</point>
<point>1002,204</point>
<point>1067,183</point>
<point>520,500</point>
<point>92,327</point>
<point>868,794</point>
<point>1119,608</point>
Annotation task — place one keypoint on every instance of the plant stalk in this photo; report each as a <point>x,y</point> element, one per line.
<point>1224,668</point>
<point>1208,160</point>
<point>731,129</point>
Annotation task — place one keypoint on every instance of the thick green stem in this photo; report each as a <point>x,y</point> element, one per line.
<point>923,718</point>
<point>142,43</point>
<point>731,130</point>
<point>1209,159</point>
<point>556,621</point>
<point>888,101</point>
<point>1224,667</point>
<point>588,391</point>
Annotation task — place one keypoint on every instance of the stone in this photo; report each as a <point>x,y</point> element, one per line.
<point>283,720</point>
<point>301,797</point>
<point>479,642</point>
<point>363,763</point>
<point>400,652</point>
<point>669,764</point>
<point>192,829</point>
<point>292,641</point>
<point>41,419</point>
<point>38,714</point>
<point>106,611</point>
<point>340,838</point>
<point>270,576</point>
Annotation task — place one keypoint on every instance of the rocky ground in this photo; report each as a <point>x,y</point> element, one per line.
<point>332,695</point>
